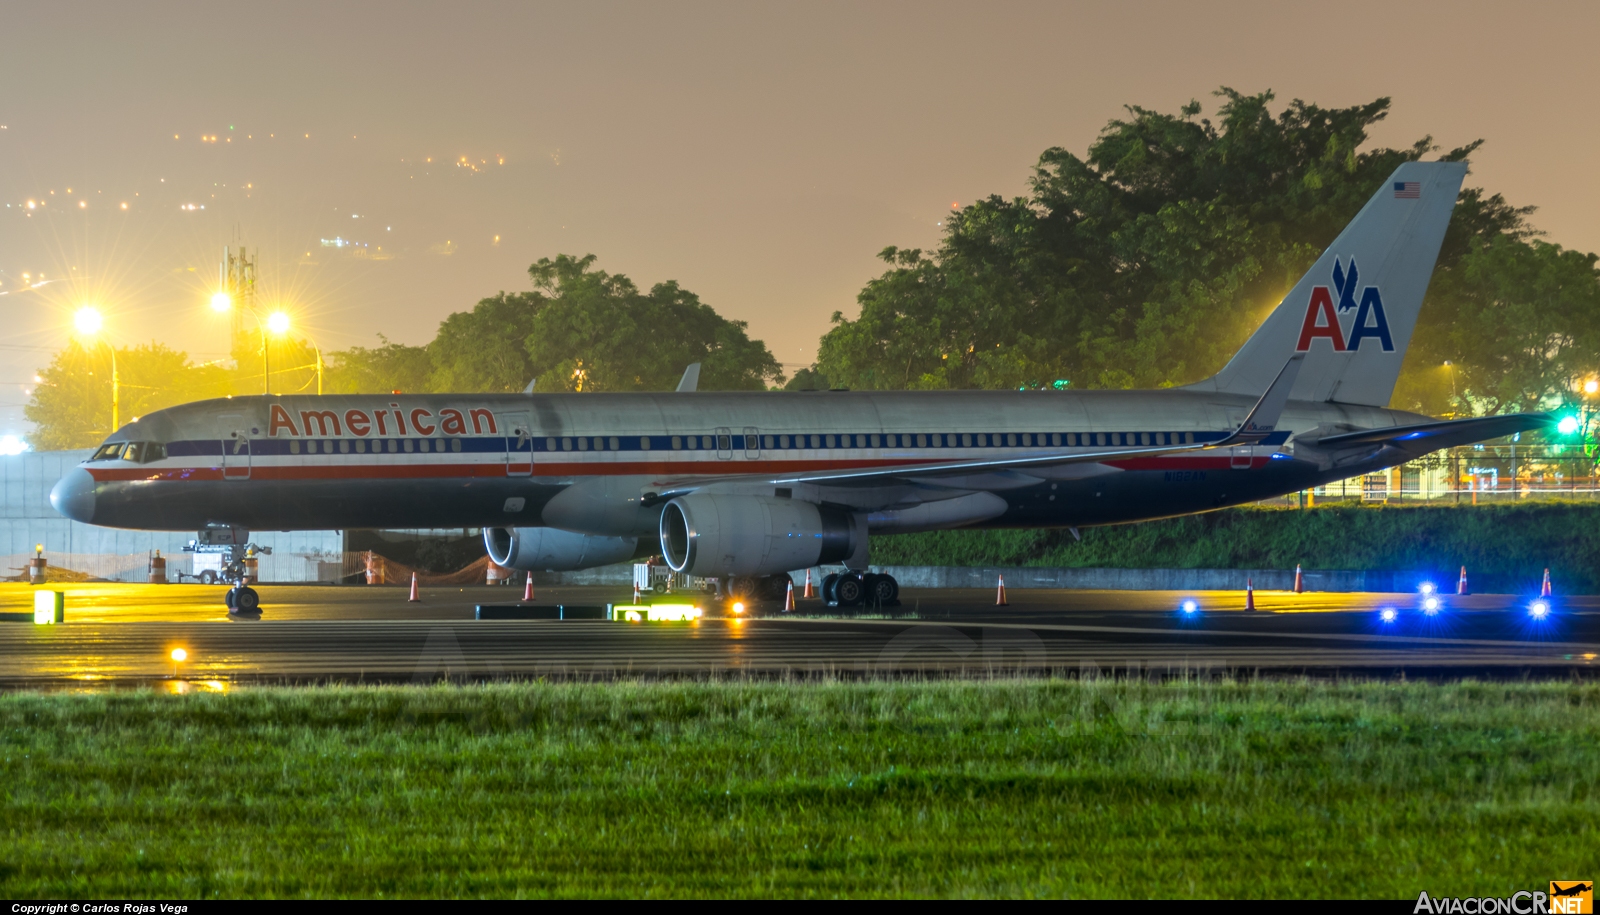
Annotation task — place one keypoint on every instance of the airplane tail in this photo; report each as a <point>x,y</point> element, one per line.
<point>1353,312</point>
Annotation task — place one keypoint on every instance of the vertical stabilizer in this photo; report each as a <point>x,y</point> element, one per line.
<point>1352,314</point>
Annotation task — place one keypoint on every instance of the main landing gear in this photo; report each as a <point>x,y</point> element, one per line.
<point>860,589</point>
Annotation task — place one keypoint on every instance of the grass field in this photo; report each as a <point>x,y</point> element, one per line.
<point>960,788</point>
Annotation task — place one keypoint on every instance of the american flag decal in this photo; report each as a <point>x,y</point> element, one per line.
<point>1408,190</point>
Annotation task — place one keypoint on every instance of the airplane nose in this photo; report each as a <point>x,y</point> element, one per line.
<point>73,496</point>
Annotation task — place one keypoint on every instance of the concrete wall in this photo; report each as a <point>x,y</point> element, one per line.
<point>26,519</point>
<point>1097,579</point>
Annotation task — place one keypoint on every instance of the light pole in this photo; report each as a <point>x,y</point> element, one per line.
<point>89,322</point>
<point>222,302</point>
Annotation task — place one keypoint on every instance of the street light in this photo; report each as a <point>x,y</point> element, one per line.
<point>278,322</point>
<point>89,322</point>
<point>221,302</point>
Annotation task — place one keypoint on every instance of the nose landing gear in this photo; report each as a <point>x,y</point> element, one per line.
<point>241,600</point>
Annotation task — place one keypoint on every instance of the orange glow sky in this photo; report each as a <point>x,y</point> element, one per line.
<point>760,154</point>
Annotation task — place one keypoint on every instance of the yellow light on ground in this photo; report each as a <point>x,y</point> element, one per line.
<point>737,608</point>
<point>278,322</point>
<point>221,302</point>
<point>179,655</point>
<point>88,320</point>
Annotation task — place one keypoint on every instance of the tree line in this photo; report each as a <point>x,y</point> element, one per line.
<point>1144,263</point>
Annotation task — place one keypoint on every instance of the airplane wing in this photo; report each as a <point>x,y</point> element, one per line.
<point>1257,425</point>
<point>1441,434</point>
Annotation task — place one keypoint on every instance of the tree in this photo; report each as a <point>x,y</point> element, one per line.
<point>71,407</point>
<point>379,370</point>
<point>485,349</point>
<point>1148,262</point>
<point>595,331</point>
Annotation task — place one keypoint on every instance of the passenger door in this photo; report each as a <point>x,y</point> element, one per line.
<point>752,443</point>
<point>724,443</point>
<point>519,443</point>
<point>235,436</point>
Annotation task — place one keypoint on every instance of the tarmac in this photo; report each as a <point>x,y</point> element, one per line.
<point>119,635</point>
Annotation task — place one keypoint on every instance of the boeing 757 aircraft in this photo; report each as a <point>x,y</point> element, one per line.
<point>748,486</point>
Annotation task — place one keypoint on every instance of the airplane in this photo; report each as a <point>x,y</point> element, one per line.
<point>745,487</point>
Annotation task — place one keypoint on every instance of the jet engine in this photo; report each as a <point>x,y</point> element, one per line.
<point>751,535</point>
<point>548,549</point>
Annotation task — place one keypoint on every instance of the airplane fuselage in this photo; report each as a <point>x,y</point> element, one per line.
<point>443,461</point>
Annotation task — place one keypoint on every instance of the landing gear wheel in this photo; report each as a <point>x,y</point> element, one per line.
<point>776,587</point>
<point>882,590</point>
<point>743,587</point>
<point>229,597</point>
<point>828,581</point>
<point>848,591</point>
<point>248,600</point>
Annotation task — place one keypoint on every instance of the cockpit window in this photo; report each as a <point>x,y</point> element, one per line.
<point>137,452</point>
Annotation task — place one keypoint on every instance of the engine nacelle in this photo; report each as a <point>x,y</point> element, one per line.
<point>751,535</point>
<point>548,549</point>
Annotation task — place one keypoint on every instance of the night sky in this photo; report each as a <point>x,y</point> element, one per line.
<point>760,154</point>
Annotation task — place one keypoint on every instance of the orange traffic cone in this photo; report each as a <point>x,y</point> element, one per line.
<point>527,590</point>
<point>1000,594</point>
<point>808,591</point>
<point>636,592</point>
<point>1461,586</point>
<point>788,598</point>
<point>1249,595</point>
<point>414,598</point>
<point>1299,586</point>
<point>1544,591</point>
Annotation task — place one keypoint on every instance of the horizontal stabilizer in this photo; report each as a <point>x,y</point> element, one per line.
<point>1443,434</point>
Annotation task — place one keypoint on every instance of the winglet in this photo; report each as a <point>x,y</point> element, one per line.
<point>1263,418</point>
<point>691,378</point>
<point>529,388</point>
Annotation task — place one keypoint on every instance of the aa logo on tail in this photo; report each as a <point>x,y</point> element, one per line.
<point>1322,320</point>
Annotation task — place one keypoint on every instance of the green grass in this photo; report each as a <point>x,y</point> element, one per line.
<point>1510,542</point>
<point>1001,788</point>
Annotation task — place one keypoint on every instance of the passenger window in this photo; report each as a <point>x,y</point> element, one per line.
<point>705,442</point>
<point>677,443</point>
<point>1027,440</point>
<point>408,446</point>
<point>833,441</point>
<point>1055,440</point>
<point>644,443</point>
<point>616,443</point>
<point>1144,438</point>
<point>816,441</point>
<point>455,444</point>
<point>344,446</point>
<point>294,447</point>
<point>549,444</point>
<point>394,446</point>
<point>922,440</point>
<point>877,441</point>
<point>769,442</point>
